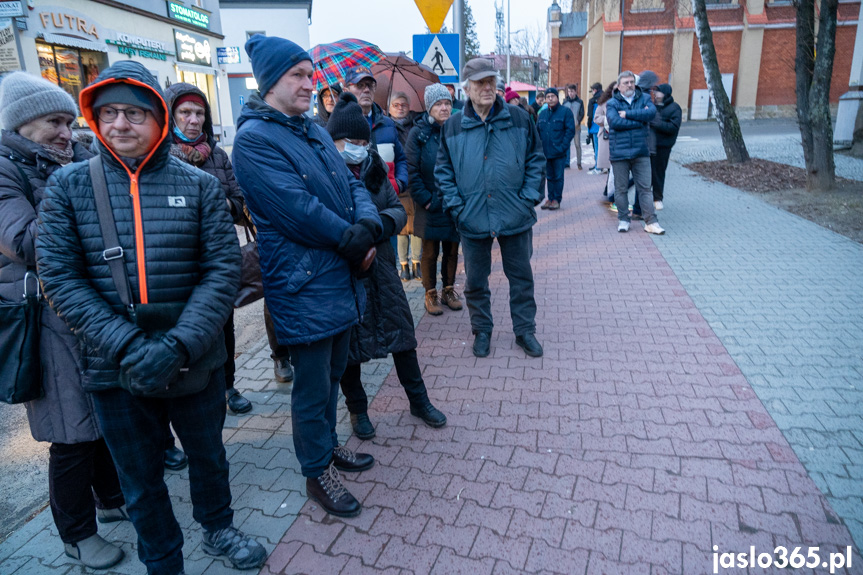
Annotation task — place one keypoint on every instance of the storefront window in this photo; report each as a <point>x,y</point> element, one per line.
<point>206,84</point>
<point>70,68</point>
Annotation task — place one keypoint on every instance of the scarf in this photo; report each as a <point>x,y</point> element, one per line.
<point>62,157</point>
<point>194,151</point>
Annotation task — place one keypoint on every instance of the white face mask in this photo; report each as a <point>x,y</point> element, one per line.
<point>354,154</point>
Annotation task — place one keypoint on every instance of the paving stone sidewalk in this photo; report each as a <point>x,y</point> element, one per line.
<point>633,446</point>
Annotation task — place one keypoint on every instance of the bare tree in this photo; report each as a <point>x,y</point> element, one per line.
<point>726,117</point>
<point>814,71</point>
<point>529,49</point>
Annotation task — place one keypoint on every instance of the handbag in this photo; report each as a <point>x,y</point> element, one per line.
<point>21,367</point>
<point>155,319</point>
<point>251,279</point>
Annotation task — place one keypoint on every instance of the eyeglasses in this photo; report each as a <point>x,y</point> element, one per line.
<point>400,105</point>
<point>133,114</point>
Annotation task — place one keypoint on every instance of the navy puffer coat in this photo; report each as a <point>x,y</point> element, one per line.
<point>627,137</point>
<point>422,149</point>
<point>302,198</point>
<point>175,230</point>
<point>556,129</point>
<point>490,171</point>
<point>387,326</point>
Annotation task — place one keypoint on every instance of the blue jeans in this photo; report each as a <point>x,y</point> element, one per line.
<point>515,252</point>
<point>318,367</point>
<point>135,430</point>
<point>554,168</point>
<point>595,149</point>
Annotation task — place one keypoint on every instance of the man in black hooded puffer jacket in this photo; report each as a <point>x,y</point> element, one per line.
<point>178,246</point>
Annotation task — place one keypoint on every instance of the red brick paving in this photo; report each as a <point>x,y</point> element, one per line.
<point>633,446</point>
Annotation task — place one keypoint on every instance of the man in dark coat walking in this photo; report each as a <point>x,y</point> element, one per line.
<point>316,227</point>
<point>556,127</point>
<point>178,246</point>
<point>489,170</point>
<point>574,103</point>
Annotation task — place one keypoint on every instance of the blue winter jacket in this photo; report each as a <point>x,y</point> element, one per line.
<point>302,198</point>
<point>556,130</point>
<point>384,131</point>
<point>627,137</point>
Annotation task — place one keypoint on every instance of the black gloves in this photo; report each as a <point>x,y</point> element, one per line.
<point>356,242</point>
<point>153,365</point>
<point>389,226</point>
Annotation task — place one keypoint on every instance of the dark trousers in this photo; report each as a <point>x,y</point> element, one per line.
<point>449,263</point>
<point>407,369</point>
<point>554,169</point>
<point>81,478</point>
<point>658,166</point>
<point>318,367</point>
<point>277,350</point>
<point>134,429</point>
<point>231,348</point>
<point>515,252</point>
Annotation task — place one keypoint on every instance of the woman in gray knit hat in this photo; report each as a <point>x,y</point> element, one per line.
<point>36,140</point>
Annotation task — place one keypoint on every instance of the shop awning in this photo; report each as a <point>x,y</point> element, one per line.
<point>61,40</point>
<point>194,68</point>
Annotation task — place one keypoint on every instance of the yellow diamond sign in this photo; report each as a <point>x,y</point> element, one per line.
<point>434,12</point>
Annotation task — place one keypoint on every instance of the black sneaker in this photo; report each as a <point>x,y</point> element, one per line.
<point>332,495</point>
<point>362,425</point>
<point>241,550</point>
<point>529,344</point>
<point>283,371</point>
<point>482,344</point>
<point>351,462</point>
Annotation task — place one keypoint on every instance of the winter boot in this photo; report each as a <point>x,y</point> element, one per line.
<point>94,552</point>
<point>417,272</point>
<point>432,305</point>
<point>423,408</point>
<point>451,299</point>
<point>406,273</point>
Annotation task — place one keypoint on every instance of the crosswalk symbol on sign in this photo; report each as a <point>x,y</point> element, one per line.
<point>437,59</point>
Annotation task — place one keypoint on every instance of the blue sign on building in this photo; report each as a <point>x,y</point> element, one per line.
<point>440,53</point>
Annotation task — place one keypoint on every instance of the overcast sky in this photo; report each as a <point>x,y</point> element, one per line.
<point>391,24</point>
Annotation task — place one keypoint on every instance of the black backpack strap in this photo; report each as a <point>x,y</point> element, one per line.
<point>25,181</point>
<point>113,253</point>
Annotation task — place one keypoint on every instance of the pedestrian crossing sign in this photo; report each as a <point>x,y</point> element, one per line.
<point>440,53</point>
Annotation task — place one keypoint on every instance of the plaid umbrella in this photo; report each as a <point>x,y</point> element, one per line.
<point>399,73</point>
<point>333,60</point>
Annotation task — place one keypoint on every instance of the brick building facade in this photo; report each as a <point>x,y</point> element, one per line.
<point>754,40</point>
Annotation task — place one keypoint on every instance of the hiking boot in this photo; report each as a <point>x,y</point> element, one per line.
<point>623,226</point>
<point>112,515</point>
<point>529,344</point>
<point>175,459</point>
<point>237,403</point>
<point>451,299</point>
<point>362,425</point>
<point>332,495</point>
<point>417,272</point>
<point>406,273</point>
<point>282,370</point>
<point>430,415</point>
<point>94,552</point>
<point>241,550</point>
<point>482,344</point>
<point>351,462</point>
<point>432,305</point>
<point>654,228</point>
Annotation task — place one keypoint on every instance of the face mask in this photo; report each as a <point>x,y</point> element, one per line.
<point>354,154</point>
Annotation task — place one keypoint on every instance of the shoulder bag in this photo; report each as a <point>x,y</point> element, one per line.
<point>251,279</point>
<point>155,319</point>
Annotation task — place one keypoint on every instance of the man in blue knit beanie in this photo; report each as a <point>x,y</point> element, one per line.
<point>317,226</point>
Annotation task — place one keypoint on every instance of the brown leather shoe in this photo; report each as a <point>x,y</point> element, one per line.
<point>432,305</point>
<point>451,299</point>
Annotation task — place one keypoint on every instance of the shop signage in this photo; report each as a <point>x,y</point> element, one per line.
<point>228,55</point>
<point>70,23</point>
<point>193,48</point>
<point>148,50</point>
<point>11,9</point>
<point>9,61</point>
<point>188,15</point>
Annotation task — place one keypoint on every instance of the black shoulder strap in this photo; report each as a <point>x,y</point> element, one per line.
<point>28,189</point>
<point>113,253</point>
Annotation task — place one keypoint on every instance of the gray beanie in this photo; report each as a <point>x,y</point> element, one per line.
<point>435,93</point>
<point>24,97</point>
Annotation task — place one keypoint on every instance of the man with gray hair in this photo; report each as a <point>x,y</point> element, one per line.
<point>489,170</point>
<point>628,114</point>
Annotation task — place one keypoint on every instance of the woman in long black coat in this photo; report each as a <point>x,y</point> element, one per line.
<point>431,223</point>
<point>387,325</point>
